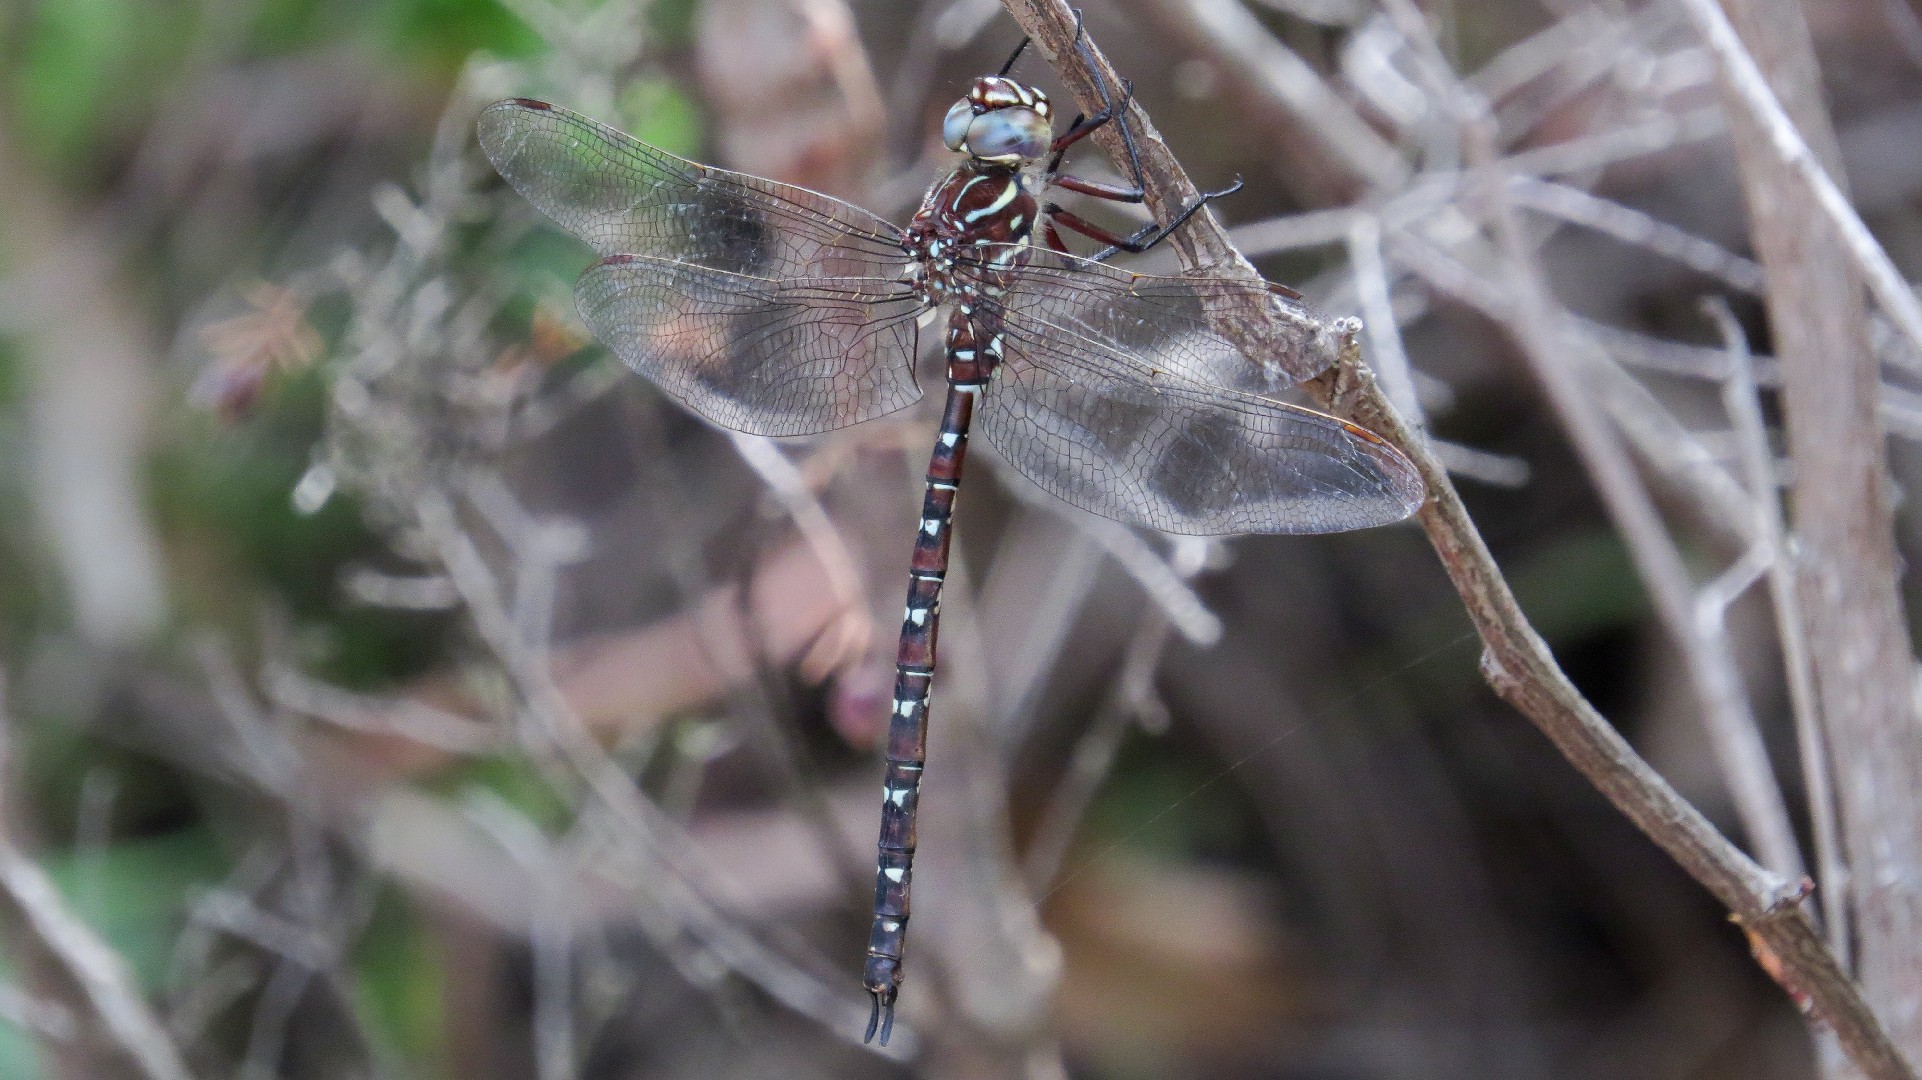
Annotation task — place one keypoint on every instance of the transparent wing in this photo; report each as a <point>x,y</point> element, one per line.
<point>768,357</point>
<point>1166,320</point>
<point>622,196</point>
<point>1113,413</point>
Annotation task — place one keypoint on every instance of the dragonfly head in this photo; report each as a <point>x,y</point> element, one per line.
<point>1000,121</point>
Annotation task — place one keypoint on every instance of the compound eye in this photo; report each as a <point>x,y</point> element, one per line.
<point>954,129</point>
<point>1010,133</point>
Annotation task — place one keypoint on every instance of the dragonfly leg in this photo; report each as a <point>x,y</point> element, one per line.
<point>1109,110</point>
<point>1131,192</point>
<point>1051,236</point>
<point>1085,125</point>
<point>1139,242</point>
<point>1110,192</point>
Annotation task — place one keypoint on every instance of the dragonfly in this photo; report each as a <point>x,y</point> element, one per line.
<point>774,310</point>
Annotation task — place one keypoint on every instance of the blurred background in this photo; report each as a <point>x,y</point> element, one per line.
<point>394,686</point>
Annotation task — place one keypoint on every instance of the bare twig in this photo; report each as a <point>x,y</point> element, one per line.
<point>550,932</point>
<point>1750,91</point>
<point>681,908</point>
<point>1233,37</point>
<point>1127,705</point>
<point>1544,338</point>
<point>1634,227</point>
<point>93,963</point>
<point>1906,25</point>
<point>49,1020</point>
<point>1378,309</point>
<point>1758,467</point>
<point>87,369</point>
<point>1310,229</point>
<point>1676,455</point>
<point>843,579</point>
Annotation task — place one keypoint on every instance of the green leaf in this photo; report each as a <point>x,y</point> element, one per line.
<point>400,986</point>
<point>80,66</point>
<point>19,1053</point>
<point>656,112</point>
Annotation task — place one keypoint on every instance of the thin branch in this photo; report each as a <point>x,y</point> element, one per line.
<point>1159,577</point>
<point>681,908</point>
<point>1536,326</point>
<point>1548,50</point>
<point>1677,455</point>
<point>1634,227</point>
<point>842,577</point>
<point>1231,36</point>
<point>1481,466</point>
<point>1312,228</point>
<point>94,965</point>
<point>1741,399</point>
<point>1906,26</point>
<point>1753,94</point>
<point>1665,131</point>
<point>1378,311</point>
<point>550,931</point>
<point>1131,700</point>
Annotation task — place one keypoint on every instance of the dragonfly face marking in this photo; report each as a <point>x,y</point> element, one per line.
<point>774,310</point>
<point>1000,120</point>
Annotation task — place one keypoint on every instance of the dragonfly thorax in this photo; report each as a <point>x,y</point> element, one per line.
<point>981,214</point>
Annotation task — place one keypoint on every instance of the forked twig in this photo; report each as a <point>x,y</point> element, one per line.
<point>1754,95</point>
<point>1516,661</point>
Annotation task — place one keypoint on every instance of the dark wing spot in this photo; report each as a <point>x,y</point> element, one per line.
<point>1195,473</point>
<point>729,235</point>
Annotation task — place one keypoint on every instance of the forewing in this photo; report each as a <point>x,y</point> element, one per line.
<point>622,196</point>
<point>1176,322</point>
<point>1106,432</point>
<point>769,357</point>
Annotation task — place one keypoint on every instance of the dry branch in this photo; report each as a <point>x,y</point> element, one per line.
<point>1539,329</point>
<point>1261,67</point>
<point>93,963</point>
<point>1745,412</point>
<point>1780,137</point>
<point>1516,661</point>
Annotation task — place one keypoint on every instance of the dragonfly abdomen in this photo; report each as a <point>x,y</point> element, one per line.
<point>908,722</point>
